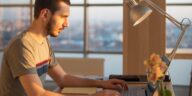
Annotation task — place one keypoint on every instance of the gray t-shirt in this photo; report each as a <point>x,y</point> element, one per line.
<point>24,55</point>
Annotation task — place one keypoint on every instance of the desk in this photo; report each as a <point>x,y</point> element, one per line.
<point>91,90</point>
<point>167,84</point>
<point>80,90</point>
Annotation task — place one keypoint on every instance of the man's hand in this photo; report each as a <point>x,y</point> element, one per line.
<point>107,93</point>
<point>114,84</point>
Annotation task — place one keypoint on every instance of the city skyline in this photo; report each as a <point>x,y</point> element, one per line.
<point>103,36</point>
<point>88,1</point>
<point>105,30</point>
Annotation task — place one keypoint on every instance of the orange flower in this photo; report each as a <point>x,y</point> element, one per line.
<point>155,59</point>
<point>155,67</point>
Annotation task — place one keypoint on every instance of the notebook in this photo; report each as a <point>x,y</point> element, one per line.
<point>79,90</point>
<point>134,91</point>
<point>137,90</point>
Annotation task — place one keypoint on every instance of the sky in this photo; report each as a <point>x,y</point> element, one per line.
<point>97,13</point>
<point>14,1</point>
<point>180,12</point>
<point>179,1</point>
<point>90,1</point>
<point>120,1</point>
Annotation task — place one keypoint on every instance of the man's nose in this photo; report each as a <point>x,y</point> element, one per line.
<point>66,23</point>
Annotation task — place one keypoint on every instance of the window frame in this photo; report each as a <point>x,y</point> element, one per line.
<point>85,5</point>
<point>181,53</point>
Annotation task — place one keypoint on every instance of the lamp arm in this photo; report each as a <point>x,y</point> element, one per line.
<point>173,52</point>
<point>183,27</point>
<point>162,12</point>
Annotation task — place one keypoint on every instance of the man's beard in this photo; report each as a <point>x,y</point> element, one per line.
<point>50,26</point>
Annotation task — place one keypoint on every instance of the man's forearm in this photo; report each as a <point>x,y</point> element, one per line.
<point>49,93</point>
<point>73,81</point>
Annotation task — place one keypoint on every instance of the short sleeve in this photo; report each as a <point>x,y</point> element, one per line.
<point>20,58</point>
<point>53,61</point>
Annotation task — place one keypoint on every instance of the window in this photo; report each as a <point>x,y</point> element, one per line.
<point>173,32</point>
<point>179,10</point>
<point>14,1</point>
<point>77,1</point>
<point>12,21</point>
<point>92,31</point>
<point>105,1</point>
<point>105,30</point>
<point>178,1</point>
<point>95,27</point>
<point>71,39</point>
<point>103,20</point>
<point>103,34</point>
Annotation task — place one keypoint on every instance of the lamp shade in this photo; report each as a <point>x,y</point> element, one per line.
<point>139,13</point>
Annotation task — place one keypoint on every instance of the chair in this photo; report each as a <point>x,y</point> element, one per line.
<point>83,66</point>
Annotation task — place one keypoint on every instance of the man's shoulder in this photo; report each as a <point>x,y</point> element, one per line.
<point>23,39</point>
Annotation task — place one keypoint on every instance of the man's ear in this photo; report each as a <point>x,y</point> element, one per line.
<point>45,14</point>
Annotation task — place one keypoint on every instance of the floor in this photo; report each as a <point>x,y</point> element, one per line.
<point>179,90</point>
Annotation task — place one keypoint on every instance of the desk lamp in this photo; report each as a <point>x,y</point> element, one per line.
<point>139,12</point>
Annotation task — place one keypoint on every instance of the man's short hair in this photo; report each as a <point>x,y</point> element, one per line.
<point>52,5</point>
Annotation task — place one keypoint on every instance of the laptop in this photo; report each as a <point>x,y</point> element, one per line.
<point>144,88</point>
<point>147,90</point>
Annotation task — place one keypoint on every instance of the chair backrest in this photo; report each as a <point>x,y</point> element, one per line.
<point>83,66</point>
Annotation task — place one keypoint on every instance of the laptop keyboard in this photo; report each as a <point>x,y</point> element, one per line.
<point>134,91</point>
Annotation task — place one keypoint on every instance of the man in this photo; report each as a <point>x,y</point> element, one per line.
<point>29,57</point>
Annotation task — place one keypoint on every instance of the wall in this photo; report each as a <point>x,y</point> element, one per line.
<point>142,40</point>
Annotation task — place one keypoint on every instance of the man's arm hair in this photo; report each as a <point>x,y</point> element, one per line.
<point>66,80</point>
<point>33,86</point>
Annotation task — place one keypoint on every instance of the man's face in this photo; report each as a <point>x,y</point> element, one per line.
<point>59,20</point>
